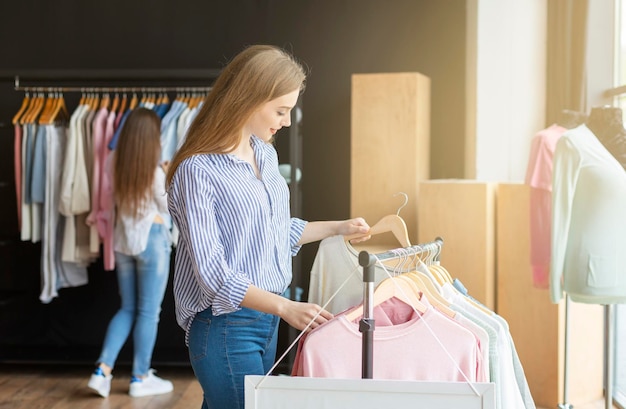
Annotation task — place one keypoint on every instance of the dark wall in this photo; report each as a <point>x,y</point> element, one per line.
<point>334,38</point>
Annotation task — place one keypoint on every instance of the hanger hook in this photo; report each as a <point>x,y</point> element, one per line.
<point>406,200</point>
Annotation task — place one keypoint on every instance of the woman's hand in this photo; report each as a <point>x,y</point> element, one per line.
<point>355,227</point>
<point>300,314</point>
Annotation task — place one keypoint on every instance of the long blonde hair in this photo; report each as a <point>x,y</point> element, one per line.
<point>136,157</point>
<point>258,74</point>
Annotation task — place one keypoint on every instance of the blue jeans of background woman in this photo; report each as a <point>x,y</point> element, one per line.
<point>225,348</point>
<point>142,280</point>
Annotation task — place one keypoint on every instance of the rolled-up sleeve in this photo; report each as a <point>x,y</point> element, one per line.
<point>296,228</point>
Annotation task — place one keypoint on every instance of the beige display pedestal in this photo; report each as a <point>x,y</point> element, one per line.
<point>390,146</point>
<point>462,212</point>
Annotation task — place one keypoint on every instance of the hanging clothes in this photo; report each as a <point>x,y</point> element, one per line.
<point>74,200</point>
<point>56,272</point>
<point>334,266</point>
<point>63,177</point>
<point>336,260</point>
<point>40,148</point>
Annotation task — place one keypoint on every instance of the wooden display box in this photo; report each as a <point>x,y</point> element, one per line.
<point>462,212</point>
<point>390,145</point>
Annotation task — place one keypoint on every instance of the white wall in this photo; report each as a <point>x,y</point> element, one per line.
<point>506,73</point>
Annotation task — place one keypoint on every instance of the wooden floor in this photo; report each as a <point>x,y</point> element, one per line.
<point>38,387</point>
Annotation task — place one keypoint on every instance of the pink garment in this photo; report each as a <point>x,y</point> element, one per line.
<point>106,208</point>
<point>98,142</point>
<point>539,178</point>
<point>17,163</point>
<point>405,347</point>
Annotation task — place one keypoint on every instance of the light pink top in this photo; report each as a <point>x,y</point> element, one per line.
<point>406,346</point>
<point>539,178</point>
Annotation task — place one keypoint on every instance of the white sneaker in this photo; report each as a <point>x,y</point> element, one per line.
<point>100,383</point>
<point>150,385</point>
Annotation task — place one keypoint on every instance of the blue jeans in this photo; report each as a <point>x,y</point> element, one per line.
<point>225,348</point>
<point>142,280</point>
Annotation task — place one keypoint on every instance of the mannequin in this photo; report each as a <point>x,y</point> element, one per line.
<point>571,119</point>
<point>590,193</point>
<point>607,125</point>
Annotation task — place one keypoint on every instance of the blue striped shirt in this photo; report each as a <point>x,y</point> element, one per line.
<point>235,230</point>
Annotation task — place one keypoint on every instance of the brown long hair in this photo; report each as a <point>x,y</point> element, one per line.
<point>258,74</point>
<point>137,155</point>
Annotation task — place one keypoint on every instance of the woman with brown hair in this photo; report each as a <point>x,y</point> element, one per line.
<point>142,253</point>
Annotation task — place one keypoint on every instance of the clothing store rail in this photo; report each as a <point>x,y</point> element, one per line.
<point>76,80</point>
<point>367,323</point>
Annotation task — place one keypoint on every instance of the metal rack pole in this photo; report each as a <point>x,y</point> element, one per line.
<point>608,355</point>
<point>367,323</point>
<point>566,405</point>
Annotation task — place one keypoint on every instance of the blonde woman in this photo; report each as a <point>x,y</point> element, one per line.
<point>231,206</point>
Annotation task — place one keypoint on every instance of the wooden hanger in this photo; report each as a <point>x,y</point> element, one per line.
<point>389,288</point>
<point>133,101</point>
<point>116,101</point>
<point>95,102</point>
<point>59,112</point>
<point>426,286</point>
<point>105,101</point>
<point>20,112</point>
<point>390,223</point>
<point>35,111</point>
<point>48,110</point>
<point>123,104</point>
<point>23,118</point>
<point>445,275</point>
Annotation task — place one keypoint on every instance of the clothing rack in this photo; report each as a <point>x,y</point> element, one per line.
<point>76,81</point>
<point>103,76</point>
<point>367,323</point>
<point>110,89</point>
<point>112,80</point>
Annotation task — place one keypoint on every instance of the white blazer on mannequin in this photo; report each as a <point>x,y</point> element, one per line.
<point>588,221</point>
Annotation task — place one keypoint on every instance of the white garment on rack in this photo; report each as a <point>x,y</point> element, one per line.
<point>335,261</point>
<point>74,198</point>
<point>510,395</point>
<point>25,228</point>
<point>55,273</point>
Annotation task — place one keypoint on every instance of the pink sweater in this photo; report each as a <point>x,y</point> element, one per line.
<point>539,178</point>
<point>406,347</point>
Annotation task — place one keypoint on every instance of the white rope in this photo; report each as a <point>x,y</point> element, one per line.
<point>403,294</point>
<point>295,341</point>
<point>428,326</point>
